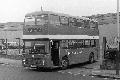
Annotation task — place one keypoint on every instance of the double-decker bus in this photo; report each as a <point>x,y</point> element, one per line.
<point>58,40</point>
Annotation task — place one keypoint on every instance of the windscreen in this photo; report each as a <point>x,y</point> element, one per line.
<point>36,47</point>
<point>40,48</point>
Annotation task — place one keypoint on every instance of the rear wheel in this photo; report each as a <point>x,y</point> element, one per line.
<point>91,58</point>
<point>64,63</point>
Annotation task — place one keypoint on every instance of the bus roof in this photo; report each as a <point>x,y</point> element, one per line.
<point>59,14</point>
<point>45,12</point>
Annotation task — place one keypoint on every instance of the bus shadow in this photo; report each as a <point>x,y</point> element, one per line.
<point>80,65</point>
<point>46,70</point>
<point>84,65</point>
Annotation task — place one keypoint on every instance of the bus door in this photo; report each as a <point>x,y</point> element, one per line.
<point>55,52</point>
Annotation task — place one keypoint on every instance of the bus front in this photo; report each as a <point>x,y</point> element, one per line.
<point>36,46</point>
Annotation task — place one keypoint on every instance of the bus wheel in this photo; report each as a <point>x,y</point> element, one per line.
<point>64,63</point>
<point>91,58</point>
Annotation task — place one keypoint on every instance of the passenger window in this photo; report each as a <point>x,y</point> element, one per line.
<point>80,23</point>
<point>64,44</point>
<point>87,43</point>
<point>92,25</point>
<point>74,44</point>
<point>54,19</point>
<point>93,43</point>
<point>86,23</point>
<point>73,22</point>
<point>71,44</point>
<point>28,45</point>
<point>80,43</point>
<point>41,19</point>
<point>96,25</point>
<point>64,20</point>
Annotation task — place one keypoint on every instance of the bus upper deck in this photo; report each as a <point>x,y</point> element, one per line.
<point>49,23</point>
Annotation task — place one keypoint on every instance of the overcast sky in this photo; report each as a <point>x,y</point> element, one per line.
<point>15,10</point>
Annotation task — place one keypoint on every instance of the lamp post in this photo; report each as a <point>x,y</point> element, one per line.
<point>117,57</point>
<point>19,44</point>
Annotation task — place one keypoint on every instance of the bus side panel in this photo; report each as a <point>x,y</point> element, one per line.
<point>85,54</point>
<point>79,55</point>
<point>92,50</point>
<point>74,56</point>
<point>69,54</point>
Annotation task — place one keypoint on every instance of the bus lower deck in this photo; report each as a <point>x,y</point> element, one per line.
<point>57,53</point>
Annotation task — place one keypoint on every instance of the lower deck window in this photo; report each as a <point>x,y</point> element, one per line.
<point>74,44</point>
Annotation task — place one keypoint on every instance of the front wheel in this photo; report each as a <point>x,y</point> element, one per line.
<point>64,63</point>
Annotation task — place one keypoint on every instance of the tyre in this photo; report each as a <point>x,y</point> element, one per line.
<point>91,58</point>
<point>64,63</point>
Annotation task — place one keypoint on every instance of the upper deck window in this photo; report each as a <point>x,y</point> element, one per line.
<point>64,20</point>
<point>41,19</point>
<point>80,23</point>
<point>29,20</point>
<point>54,19</point>
<point>74,22</point>
<point>86,24</point>
<point>93,25</point>
<point>71,21</point>
<point>36,20</point>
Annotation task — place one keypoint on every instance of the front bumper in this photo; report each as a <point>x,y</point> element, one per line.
<point>37,60</point>
<point>33,62</point>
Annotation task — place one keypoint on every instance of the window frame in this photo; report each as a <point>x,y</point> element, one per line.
<point>93,23</point>
<point>67,19</point>
<point>54,22</point>
<point>87,46</point>
<point>72,44</point>
<point>94,45</point>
